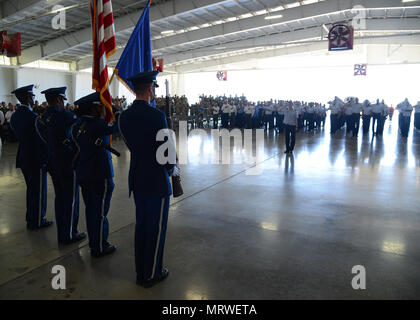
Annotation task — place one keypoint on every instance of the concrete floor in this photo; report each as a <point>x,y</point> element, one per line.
<point>293,232</point>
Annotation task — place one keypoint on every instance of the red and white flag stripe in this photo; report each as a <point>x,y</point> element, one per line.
<point>104,45</point>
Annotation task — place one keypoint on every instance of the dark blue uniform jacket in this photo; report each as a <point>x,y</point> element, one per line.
<point>54,126</point>
<point>31,152</point>
<point>139,126</point>
<point>93,163</point>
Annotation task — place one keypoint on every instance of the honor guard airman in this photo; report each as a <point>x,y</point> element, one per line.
<point>31,159</point>
<point>94,169</point>
<point>148,179</point>
<point>53,127</point>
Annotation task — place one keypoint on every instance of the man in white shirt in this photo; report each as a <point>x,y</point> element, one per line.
<point>335,108</point>
<point>381,122</point>
<point>348,112</point>
<point>1,118</point>
<point>376,115</point>
<point>9,113</point>
<point>268,116</point>
<point>356,108</point>
<point>298,107</point>
<point>280,116</point>
<point>310,116</point>
<point>249,113</point>
<point>1,125</point>
<point>226,108</point>
<point>215,110</point>
<point>233,113</point>
<point>367,116</point>
<point>291,126</point>
<point>405,110</point>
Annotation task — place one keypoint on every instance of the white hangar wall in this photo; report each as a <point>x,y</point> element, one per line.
<point>78,83</point>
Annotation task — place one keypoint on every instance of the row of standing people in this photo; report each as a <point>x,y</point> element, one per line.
<point>267,115</point>
<point>373,116</point>
<point>76,154</point>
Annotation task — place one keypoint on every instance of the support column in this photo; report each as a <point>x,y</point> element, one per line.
<point>73,91</point>
<point>15,83</point>
<point>114,87</point>
<point>178,84</point>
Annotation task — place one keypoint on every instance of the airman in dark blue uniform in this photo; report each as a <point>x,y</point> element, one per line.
<point>31,159</point>
<point>94,169</point>
<point>148,179</point>
<point>54,129</point>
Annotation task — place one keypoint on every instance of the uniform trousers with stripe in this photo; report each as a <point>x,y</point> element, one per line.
<point>225,120</point>
<point>381,125</point>
<point>248,121</point>
<point>290,137</point>
<point>349,123</point>
<point>417,120</point>
<point>311,121</point>
<point>405,126</point>
<point>151,221</point>
<point>66,203</point>
<point>36,195</point>
<point>97,197</point>
<point>279,122</point>
<point>334,123</point>
<point>366,124</point>
<point>375,119</point>
<point>215,121</point>
<point>355,123</point>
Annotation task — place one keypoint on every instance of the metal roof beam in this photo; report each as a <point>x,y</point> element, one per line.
<point>221,63</point>
<point>158,12</point>
<point>256,22</point>
<point>407,25</point>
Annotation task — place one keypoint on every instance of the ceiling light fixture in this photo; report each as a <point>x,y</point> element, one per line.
<point>277,16</point>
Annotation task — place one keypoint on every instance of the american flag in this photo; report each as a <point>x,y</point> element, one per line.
<point>104,45</point>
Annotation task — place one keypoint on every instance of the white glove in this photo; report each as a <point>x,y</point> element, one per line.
<point>176,172</point>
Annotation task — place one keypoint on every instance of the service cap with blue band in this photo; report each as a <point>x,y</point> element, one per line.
<point>22,90</point>
<point>89,100</point>
<point>86,103</point>
<point>61,91</point>
<point>145,78</point>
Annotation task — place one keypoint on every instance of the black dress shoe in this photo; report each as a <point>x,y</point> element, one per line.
<point>105,251</point>
<point>287,151</point>
<point>44,224</point>
<point>150,283</point>
<point>79,236</point>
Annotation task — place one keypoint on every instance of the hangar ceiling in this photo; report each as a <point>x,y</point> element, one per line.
<point>193,34</point>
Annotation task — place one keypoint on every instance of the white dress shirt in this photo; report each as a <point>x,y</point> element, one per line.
<point>1,118</point>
